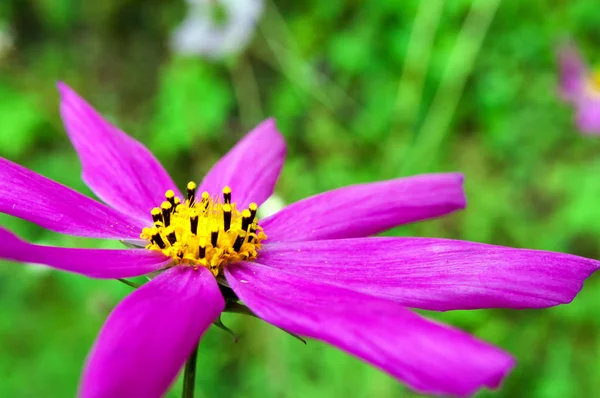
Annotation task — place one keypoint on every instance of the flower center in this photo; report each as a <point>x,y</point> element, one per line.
<point>594,82</point>
<point>204,231</point>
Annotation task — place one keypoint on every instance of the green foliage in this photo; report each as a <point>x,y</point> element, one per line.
<point>355,105</point>
<point>20,119</point>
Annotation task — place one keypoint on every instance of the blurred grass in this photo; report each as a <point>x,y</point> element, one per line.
<point>354,87</point>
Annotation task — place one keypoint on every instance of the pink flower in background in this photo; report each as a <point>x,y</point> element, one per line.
<point>580,87</point>
<point>310,268</point>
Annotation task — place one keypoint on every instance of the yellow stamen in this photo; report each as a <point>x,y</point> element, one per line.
<point>170,195</point>
<point>210,233</point>
<point>593,82</point>
<point>166,208</point>
<point>191,192</point>
<point>227,195</point>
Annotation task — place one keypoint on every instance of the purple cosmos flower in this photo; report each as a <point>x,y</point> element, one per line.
<point>308,269</point>
<point>580,87</point>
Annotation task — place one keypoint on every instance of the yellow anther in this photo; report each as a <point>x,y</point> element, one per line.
<point>227,195</point>
<point>191,192</point>
<point>169,229</point>
<point>246,219</point>
<point>156,211</point>
<point>226,217</point>
<point>593,83</point>
<point>253,207</point>
<point>166,213</point>
<point>171,235</point>
<point>169,194</point>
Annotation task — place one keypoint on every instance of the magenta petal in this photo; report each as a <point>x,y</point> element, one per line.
<point>428,357</point>
<point>250,168</point>
<point>588,113</point>
<point>149,335</point>
<point>437,274</point>
<point>35,198</point>
<point>367,209</point>
<point>95,263</point>
<point>572,72</point>
<point>119,169</point>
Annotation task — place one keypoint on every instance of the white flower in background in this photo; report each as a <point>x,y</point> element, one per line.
<point>39,269</point>
<point>216,28</point>
<point>271,206</point>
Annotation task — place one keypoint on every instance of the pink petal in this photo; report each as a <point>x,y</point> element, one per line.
<point>428,357</point>
<point>149,335</point>
<point>437,274</point>
<point>250,168</point>
<point>572,72</point>
<point>588,113</point>
<point>35,198</point>
<point>95,263</point>
<point>119,169</point>
<point>367,209</point>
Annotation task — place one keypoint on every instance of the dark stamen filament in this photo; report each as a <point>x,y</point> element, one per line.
<point>239,241</point>
<point>166,213</point>
<point>170,195</point>
<point>202,249</point>
<point>253,207</point>
<point>156,238</point>
<point>214,237</point>
<point>246,219</point>
<point>252,231</point>
<point>205,202</point>
<point>171,236</point>
<point>226,217</point>
<point>156,215</point>
<point>194,224</point>
<point>226,195</point>
<point>191,192</point>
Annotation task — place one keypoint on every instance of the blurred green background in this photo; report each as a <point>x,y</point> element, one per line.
<point>362,91</point>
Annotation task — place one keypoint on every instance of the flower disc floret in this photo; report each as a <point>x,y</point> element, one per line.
<point>207,231</point>
<point>593,83</point>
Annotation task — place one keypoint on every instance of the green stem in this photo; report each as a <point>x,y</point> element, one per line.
<point>189,375</point>
<point>218,323</point>
<point>129,283</point>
